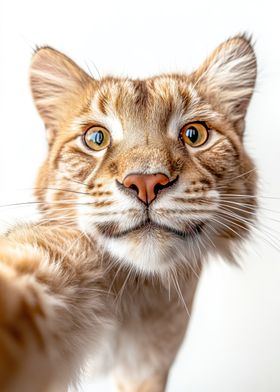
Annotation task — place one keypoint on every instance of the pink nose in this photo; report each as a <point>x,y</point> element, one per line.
<point>146,185</point>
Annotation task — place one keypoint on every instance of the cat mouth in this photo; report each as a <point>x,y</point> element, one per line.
<point>149,227</point>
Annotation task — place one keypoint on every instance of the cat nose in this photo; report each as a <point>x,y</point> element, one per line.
<point>147,186</point>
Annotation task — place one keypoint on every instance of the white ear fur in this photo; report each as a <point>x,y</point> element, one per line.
<point>56,84</point>
<point>229,74</point>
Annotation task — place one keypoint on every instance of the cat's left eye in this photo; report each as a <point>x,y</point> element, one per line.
<point>194,134</point>
<point>97,138</point>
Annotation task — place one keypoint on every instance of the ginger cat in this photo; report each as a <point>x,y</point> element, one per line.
<point>142,181</point>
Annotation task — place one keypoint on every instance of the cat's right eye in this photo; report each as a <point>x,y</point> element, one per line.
<point>194,134</point>
<point>97,138</point>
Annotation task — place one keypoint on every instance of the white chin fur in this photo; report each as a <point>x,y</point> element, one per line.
<point>150,253</point>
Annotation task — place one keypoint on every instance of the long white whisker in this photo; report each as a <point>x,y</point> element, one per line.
<point>270,240</point>
<point>179,292</point>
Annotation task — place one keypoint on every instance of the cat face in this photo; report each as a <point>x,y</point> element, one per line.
<point>153,169</point>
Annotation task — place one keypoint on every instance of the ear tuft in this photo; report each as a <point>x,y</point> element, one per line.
<point>229,74</point>
<point>57,85</point>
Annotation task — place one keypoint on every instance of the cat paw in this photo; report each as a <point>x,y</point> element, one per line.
<point>20,315</point>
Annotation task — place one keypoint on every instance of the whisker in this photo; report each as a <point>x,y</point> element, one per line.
<point>115,277</point>
<point>228,227</point>
<point>230,179</point>
<point>212,243</point>
<point>178,290</point>
<point>120,293</point>
<point>242,218</point>
<point>193,253</point>
<point>62,190</point>
<point>250,196</point>
<point>253,213</point>
<point>76,182</point>
<point>46,203</point>
<point>270,240</point>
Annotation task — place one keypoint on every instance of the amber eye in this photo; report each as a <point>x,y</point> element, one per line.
<point>97,138</point>
<point>194,134</point>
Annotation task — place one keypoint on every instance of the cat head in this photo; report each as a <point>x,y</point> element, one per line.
<point>154,170</point>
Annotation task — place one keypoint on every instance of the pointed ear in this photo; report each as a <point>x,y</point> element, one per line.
<point>58,86</point>
<point>229,76</point>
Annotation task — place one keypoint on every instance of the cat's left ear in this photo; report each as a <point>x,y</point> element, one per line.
<point>229,76</point>
<point>59,88</point>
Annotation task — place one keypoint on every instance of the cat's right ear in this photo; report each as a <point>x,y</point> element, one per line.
<point>229,76</point>
<point>59,87</point>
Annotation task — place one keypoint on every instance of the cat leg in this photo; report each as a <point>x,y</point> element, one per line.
<point>26,313</point>
<point>51,309</point>
<point>151,334</point>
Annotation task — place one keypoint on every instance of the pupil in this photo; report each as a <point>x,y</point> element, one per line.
<point>192,134</point>
<point>97,137</point>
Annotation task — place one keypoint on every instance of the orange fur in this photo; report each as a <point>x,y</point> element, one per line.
<point>95,277</point>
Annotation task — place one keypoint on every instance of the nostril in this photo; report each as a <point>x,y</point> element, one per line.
<point>134,187</point>
<point>130,187</point>
<point>158,187</point>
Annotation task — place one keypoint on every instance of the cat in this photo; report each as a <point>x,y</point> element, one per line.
<point>141,183</point>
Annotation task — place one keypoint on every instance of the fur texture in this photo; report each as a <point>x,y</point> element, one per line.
<point>102,275</point>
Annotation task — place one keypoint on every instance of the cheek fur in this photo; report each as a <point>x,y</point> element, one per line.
<point>222,160</point>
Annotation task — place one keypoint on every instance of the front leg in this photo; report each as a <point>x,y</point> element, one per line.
<point>51,308</point>
<point>151,334</point>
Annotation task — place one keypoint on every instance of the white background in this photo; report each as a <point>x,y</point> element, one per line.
<point>233,344</point>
